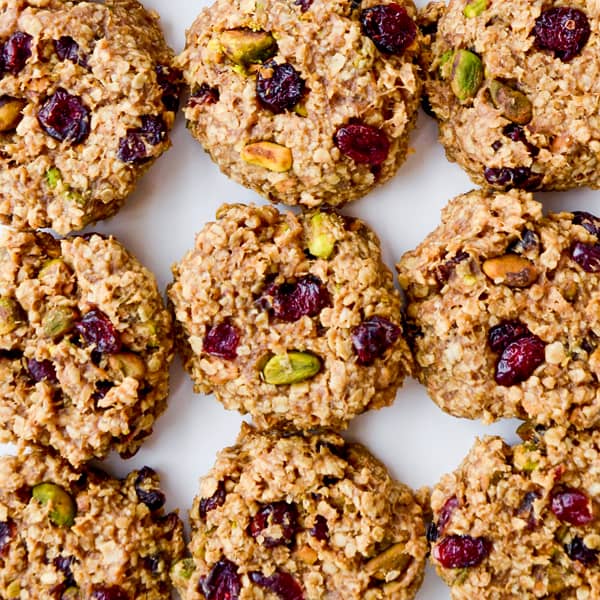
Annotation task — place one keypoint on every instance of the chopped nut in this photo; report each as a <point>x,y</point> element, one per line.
<point>14,589</point>
<point>268,155</point>
<point>52,270</point>
<point>62,506</point>
<point>475,8</point>
<point>183,569</point>
<point>513,105</point>
<point>291,367</point>
<point>511,270</point>
<point>58,320</point>
<point>307,555</point>
<point>53,177</point>
<point>10,112</point>
<point>320,241</point>
<point>71,593</point>
<point>9,315</point>
<point>390,564</point>
<point>466,74</point>
<point>127,364</point>
<point>245,47</point>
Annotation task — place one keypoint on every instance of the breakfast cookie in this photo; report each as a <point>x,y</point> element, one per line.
<point>85,345</point>
<point>302,516</point>
<point>305,101</point>
<point>504,310</point>
<point>515,86</point>
<point>67,534</point>
<point>521,522</point>
<point>87,96</point>
<point>291,318</point>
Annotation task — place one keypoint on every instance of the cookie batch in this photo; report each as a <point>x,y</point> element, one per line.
<point>292,317</point>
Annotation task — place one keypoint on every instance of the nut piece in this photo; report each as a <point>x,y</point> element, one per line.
<point>268,155</point>
<point>9,315</point>
<point>320,240</point>
<point>127,364</point>
<point>10,112</point>
<point>71,593</point>
<point>466,75</point>
<point>513,105</point>
<point>62,506</point>
<point>511,270</point>
<point>475,8</point>
<point>53,177</point>
<point>182,569</point>
<point>245,47</point>
<point>53,270</point>
<point>291,367</point>
<point>390,564</point>
<point>14,589</point>
<point>58,320</point>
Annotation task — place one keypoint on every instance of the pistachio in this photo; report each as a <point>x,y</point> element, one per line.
<point>62,506</point>
<point>245,47</point>
<point>127,364</point>
<point>445,64</point>
<point>183,569</point>
<point>268,155</point>
<point>528,431</point>
<point>58,320</point>
<point>511,270</point>
<point>71,593</point>
<point>54,269</point>
<point>10,113</point>
<point>291,367</point>
<point>14,589</point>
<point>513,105</point>
<point>320,238</point>
<point>466,74</point>
<point>9,314</point>
<point>53,177</point>
<point>390,564</point>
<point>524,458</point>
<point>475,8</point>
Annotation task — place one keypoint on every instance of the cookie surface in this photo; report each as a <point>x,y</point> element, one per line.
<point>514,86</point>
<point>503,310</point>
<point>309,515</point>
<point>72,534</point>
<point>293,319</point>
<point>85,345</point>
<point>304,102</point>
<point>87,96</point>
<point>521,521</point>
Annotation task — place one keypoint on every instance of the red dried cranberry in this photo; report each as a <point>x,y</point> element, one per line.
<point>204,95</point>
<point>282,584</point>
<point>517,134</point>
<point>110,592</point>
<point>67,48</point>
<point>151,496</point>
<point>364,144</point>
<point>500,336</point>
<point>577,550</point>
<point>431,532</point>
<point>519,360</point>
<point>8,530</point>
<point>65,117</point>
<point>153,129</point>
<point>280,514</point>
<point>41,370</point>
<point>521,178</point>
<point>448,509</point>
<point>389,26</point>
<point>589,222</point>
<point>372,338</point>
<point>282,90</point>
<point>63,564</point>
<point>459,551</point>
<point>101,389</point>
<point>587,256</point>
<point>222,583</point>
<point>15,52</point>
<point>292,301</point>
<point>217,499</point>
<point>496,145</point>
<point>97,330</point>
<point>529,239</point>
<point>169,80</point>
<point>571,506</point>
<point>444,271</point>
<point>222,340</point>
<point>564,31</point>
<point>132,148</point>
<point>303,4</point>
<point>320,529</point>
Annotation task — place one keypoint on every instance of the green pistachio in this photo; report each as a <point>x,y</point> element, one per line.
<point>58,320</point>
<point>9,315</point>
<point>466,74</point>
<point>268,155</point>
<point>53,177</point>
<point>245,47</point>
<point>10,113</point>
<point>390,564</point>
<point>320,238</point>
<point>62,506</point>
<point>183,569</point>
<point>475,8</point>
<point>513,105</point>
<point>291,367</point>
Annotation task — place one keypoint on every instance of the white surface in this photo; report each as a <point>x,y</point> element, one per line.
<point>416,440</point>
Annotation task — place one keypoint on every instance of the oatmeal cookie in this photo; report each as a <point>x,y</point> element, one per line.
<point>504,310</point>
<point>87,96</point>
<point>521,521</point>
<point>81,534</point>
<point>515,86</point>
<point>302,515</point>
<point>305,101</point>
<point>291,318</point>
<point>85,345</point>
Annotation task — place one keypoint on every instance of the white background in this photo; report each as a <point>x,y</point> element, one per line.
<point>416,440</point>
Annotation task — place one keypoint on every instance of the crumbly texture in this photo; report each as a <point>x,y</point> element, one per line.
<point>347,80</point>
<point>505,494</point>
<point>564,129</point>
<point>115,543</point>
<point>95,400</point>
<point>46,182</point>
<point>453,305</point>
<point>234,260</point>
<point>361,509</point>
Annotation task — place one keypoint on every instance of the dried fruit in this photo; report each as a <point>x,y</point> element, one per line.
<point>62,508</point>
<point>97,330</point>
<point>320,529</point>
<point>279,87</point>
<point>517,134</point>
<point>291,367</point>
<point>10,113</point>
<point>475,8</point>
<point>15,52</point>
<point>519,360</point>
<point>222,340</point>
<point>444,271</point>
<point>528,241</point>
<point>577,550</point>
<point>571,506</point>
<point>564,31</point>
<point>110,592</point>
<point>291,301</point>
<point>283,516</point>
<point>511,270</point>
<point>9,315</point>
<point>169,80</point>
<point>8,530</point>
<point>587,256</point>
<point>364,144</point>
<point>526,510</point>
<point>390,564</point>
<point>245,47</point>
<point>216,500</point>
<point>522,178</point>
<point>513,105</point>
<point>58,321</point>
<point>67,48</point>
<point>500,336</point>
<point>589,222</point>
<point>466,75</point>
<point>65,117</point>
<point>146,489</point>
<point>268,155</point>
<point>321,240</point>
<point>303,4</point>
<point>390,27</point>
<point>42,370</point>
<point>446,513</point>
<point>205,94</point>
<point>281,584</point>
<point>132,147</point>
<point>460,551</point>
<point>372,338</point>
<point>222,583</point>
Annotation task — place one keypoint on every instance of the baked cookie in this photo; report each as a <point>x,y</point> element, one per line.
<point>504,310</point>
<point>521,522</point>
<point>302,516</point>
<point>81,534</point>
<point>291,318</point>
<point>305,101</point>
<point>85,345</point>
<point>514,85</point>
<point>87,96</point>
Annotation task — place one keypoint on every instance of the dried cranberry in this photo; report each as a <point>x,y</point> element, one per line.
<point>571,506</point>
<point>500,336</point>
<point>63,564</point>
<point>519,360</point>
<point>222,583</point>
<point>65,117</point>
<point>153,129</point>
<point>389,26</point>
<point>521,178</point>
<point>496,145</point>
<point>110,592</point>
<point>292,301</point>
<point>67,48</point>
<point>15,52</point>
<point>372,338</point>
<point>217,499</point>
<point>281,90</point>
<point>282,584</point>
<point>526,511</point>
<point>132,148</point>
<point>577,550</point>
<point>222,340</point>
<point>101,389</point>
<point>320,529</point>
<point>589,222</point>
<point>587,256</point>
<point>303,4</point>
<point>8,530</point>
<point>169,80</point>
<point>364,144</point>
<point>151,496</point>
<point>459,551</point>
<point>280,514</point>
<point>41,370</point>
<point>444,271</point>
<point>564,31</point>
<point>205,94</point>
<point>517,134</point>
<point>97,330</point>
<point>431,532</point>
<point>529,239</point>
<point>448,509</point>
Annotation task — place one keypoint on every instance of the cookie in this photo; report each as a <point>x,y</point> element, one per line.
<point>503,310</point>
<point>87,97</point>
<point>81,534</point>
<point>291,318</point>
<point>521,521</point>
<point>85,345</point>
<point>304,102</point>
<point>302,516</point>
<point>514,86</point>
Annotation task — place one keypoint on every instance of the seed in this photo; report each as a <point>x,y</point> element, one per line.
<point>9,315</point>
<point>291,367</point>
<point>58,321</point>
<point>183,569</point>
